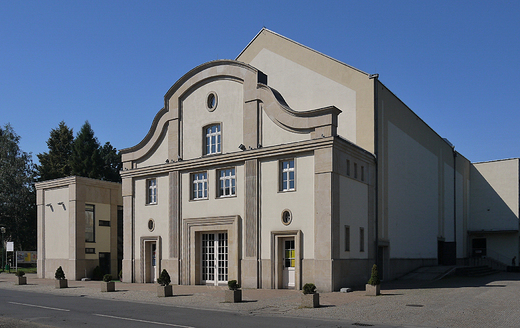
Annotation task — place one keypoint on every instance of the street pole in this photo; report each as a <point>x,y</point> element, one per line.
<point>2,230</point>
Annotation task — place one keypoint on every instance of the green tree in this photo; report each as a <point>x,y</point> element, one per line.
<point>86,158</point>
<point>112,163</point>
<point>56,163</point>
<point>17,195</point>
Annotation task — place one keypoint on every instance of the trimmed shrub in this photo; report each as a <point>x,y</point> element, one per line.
<point>374,278</point>
<point>233,285</point>
<point>20,273</point>
<point>60,275</point>
<point>164,278</point>
<point>107,278</point>
<point>309,288</point>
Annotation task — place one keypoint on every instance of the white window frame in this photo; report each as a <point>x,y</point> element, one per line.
<point>199,185</point>
<point>212,139</point>
<point>286,170</point>
<point>151,191</point>
<point>228,176</point>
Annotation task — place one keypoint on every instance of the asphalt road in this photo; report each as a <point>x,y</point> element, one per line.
<point>31,310</point>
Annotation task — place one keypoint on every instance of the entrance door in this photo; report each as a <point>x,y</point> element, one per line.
<point>288,264</point>
<point>214,258</point>
<point>479,247</point>
<point>153,269</point>
<point>104,262</point>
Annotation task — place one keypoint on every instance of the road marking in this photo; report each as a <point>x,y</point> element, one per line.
<point>39,306</point>
<point>144,321</point>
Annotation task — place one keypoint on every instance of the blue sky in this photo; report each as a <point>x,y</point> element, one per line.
<point>454,63</point>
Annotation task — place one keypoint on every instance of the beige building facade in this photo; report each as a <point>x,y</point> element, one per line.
<point>77,226</point>
<point>286,166</point>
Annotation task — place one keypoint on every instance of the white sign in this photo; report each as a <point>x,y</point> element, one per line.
<point>10,246</point>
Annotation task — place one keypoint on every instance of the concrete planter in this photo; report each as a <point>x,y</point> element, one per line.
<point>60,283</point>
<point>373,290</point>
<point>108,286</point>
<point>233,296</point>
<point>311,300</point>
<point>21,281</point>
<point>165,291</point>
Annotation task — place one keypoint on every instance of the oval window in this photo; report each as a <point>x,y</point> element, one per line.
<point>211,101</point>
<point>286,217</point>
<point>151,225</point>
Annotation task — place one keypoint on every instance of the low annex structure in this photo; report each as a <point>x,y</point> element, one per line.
<point>286,166</point>
<point>78,227</point>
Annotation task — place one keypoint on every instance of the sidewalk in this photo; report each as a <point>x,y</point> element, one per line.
<point>490,301</point>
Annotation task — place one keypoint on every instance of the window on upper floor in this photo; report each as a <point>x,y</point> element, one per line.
<point>347,239</point>
<point>287,175</point>
<point>151,185</point>
<point>199,185</point>
<point>212,142</point>
<point>90,236</point>
<point>361,239</point>
<point>227,183</point>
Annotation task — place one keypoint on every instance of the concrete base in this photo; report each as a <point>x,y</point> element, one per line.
<point>373,290</point>
<point>164,291</point>
<point>21,281</point>
<point>108,286</point>
<point>60,283</point>
<point>233,296</point>
<point>311,300</point>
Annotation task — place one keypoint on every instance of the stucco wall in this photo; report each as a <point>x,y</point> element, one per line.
<point>229,113</point>
<point>494,196</point>
<point>299,202</point>
<point>57,224</point>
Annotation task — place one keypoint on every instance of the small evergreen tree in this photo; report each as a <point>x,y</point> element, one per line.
<point>112,163</point>
<point>233,285</point>
<point>309,288</point>
<point>164,278</point>
<point>107,278</point>
<point>59,274</point>
<point>374,278</point>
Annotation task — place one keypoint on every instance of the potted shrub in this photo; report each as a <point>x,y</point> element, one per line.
<point>108,285</point>
<point>373,287</point>
<point>310,298</point>
<point>234,293</point>
<point>61,282</point>
<point>164,289</point>
<point>21,279</point>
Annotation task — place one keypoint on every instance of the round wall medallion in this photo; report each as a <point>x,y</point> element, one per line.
<point>286,217</point>
<point>151,224</point>
<point>211,101</point>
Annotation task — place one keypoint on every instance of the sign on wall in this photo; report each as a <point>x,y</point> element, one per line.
<point>10,246</point>
<point>26,257</point>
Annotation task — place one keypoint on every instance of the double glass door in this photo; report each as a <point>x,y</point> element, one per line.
<point>214,258</point>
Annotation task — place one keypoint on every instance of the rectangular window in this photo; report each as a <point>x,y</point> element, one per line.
<point>199,185</point>
<point>89,224</point>
<point>287,175</point>
<point>355,170</point>
<point>227,183</point>
<point>152,191</point>
<point>361,239</point>
<point>212,134</point>
<point>104,223</point>
<point>362,173</point>
<point>90,250</point>
<point>347,239</point>
<point>348,168</point>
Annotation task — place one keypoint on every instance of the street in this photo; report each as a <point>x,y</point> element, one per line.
<point>75,311</point>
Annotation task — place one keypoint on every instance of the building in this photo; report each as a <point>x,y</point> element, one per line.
<point>286,166</point>
<point>78,227</point>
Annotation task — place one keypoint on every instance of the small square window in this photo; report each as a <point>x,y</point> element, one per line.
<point>199,185</point>
<point>287,178</point>
<point>104,223</point>
<point>90,250</point>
